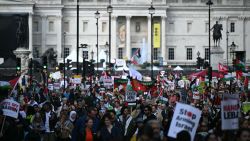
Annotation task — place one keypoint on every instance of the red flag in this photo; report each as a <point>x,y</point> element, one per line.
<point>137,86</point>
<point>246,82</point>
<point>239,74</point>
<point>14,81</point>
<point>222,68</point>
<point>135,59</point>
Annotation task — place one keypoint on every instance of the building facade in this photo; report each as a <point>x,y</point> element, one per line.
<point>180,28</point>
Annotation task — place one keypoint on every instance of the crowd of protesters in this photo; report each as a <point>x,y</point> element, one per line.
<point>89,114</point>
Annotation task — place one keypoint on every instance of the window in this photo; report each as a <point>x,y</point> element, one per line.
<point>206,53</point>
<point>85,54</point>
<point>155,54</point>
<point>35,26</point>
<point>189,54</point>
<point>171,26</point>
<point>51,26</point>
<point>189,27</point>
<point>206,27</point>
<point>137,26</point>
<point>171,54</point>
<point>66,52</point>
<point>120,53</point>
<point>66,26</point>
<point>104,26</point>
<point>232,27</point>
<point>85,26</point>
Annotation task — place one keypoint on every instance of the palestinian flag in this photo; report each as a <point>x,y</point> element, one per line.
<point>239,65</point>
<point>222,68</point>
<point>120,85</point>
<point>136,57</point>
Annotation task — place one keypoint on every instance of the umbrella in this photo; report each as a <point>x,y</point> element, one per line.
<point>178,68</point>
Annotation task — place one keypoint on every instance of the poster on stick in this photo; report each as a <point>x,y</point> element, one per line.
<point>186,118</point>
<point>10,108</point>
<point>230,114</point>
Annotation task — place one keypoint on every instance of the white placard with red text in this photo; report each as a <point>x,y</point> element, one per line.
<point>230,114</point>
<point>186,118</point>
<point>10,108</point>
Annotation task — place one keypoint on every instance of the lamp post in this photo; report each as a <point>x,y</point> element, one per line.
<point>92,56</point>
<point>64,72</point>
<point>106,52</point>
<point>151,10</point>
<point>198,60</point>
<point>227,47</point>
<point>233,46</point>
<point>209,3</point>
<point>77,38</point>
<point>109,10</point>
<point>97,16</point>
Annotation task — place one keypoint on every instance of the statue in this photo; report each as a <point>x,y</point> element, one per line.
<point>217,36</point>
<point>50,55</point>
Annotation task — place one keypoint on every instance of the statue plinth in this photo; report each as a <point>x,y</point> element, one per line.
<point>216,56</point>
<point>23,54</point>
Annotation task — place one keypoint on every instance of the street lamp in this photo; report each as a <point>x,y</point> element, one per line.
<point>92,56</point>
<point>109,10</point>
<point>232,49</point>
<point>209,3</point>
<point>198,54</point>
<point>97,16</point>
<point>227,47</point>
<point>64,72</point>
<point>106,52</point>
<point>151,10</point>
<point>77,37</point>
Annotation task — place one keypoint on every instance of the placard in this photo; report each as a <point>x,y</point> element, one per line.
<point>230,114</point>
<point>186,118</point>
<point>130,96</point>
<point>10,108</point>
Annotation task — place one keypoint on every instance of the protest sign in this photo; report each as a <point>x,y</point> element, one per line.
<point>10,108</point>
<point>246,107</point>
<point>130,96</point>
<point>56,86</point>
<point>108,82</point>
<point>77,79</point>
<point>186,118</point>
<point>196,95</point>
<point>230,114</point>
<point>50,87</point>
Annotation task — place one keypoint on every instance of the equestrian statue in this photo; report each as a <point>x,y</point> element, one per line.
<point>217,36</point>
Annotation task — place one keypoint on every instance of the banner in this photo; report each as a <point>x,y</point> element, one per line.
<point>157,35</point>
<point>107,82</point>
<point>10,108</point>
<point>77,79</point>
<point>230,114</point>
<point>186,118</point>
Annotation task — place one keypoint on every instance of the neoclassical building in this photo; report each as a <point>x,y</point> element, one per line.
<point>180,28</point>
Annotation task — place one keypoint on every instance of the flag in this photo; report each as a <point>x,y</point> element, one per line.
<point>136,57</point>
<point>246,82</point>
<point>135,74</point>
<point>239,74</point>
<point>14,81</point>
<point>222,68</point>
<point>240,65</point>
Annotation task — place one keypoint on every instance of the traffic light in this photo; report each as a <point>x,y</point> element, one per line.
<point>68,64</point>
<point>209,73</point>
<point>198,63</point>
<point>45,63</point>
<point>18,65</point>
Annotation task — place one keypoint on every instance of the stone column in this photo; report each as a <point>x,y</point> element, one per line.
<point>59,37</point>
<point>241,42</point>
<point>30,34</point>
<point>128,37</point>
<point>149,40</point>
<point>163,37</point>
<point>44,31</point>
<point>113,38</point>
<point>23,54</point>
